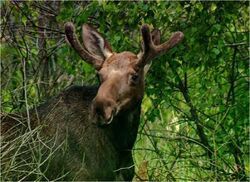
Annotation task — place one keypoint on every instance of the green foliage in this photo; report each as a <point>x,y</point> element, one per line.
<point>202,82</point>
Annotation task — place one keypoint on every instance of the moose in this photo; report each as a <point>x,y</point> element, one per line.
<point>99,122</point>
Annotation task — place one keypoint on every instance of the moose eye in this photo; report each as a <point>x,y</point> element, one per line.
<point>134,78</point>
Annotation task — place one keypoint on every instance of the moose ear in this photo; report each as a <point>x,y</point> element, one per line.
<point>95,44</point>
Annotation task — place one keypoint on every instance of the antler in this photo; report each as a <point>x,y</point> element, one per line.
<point>151,50</point>
<point>73,40</point>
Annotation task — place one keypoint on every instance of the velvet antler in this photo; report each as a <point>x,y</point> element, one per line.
<point>151,49</point>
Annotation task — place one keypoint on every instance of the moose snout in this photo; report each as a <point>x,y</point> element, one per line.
<point>103,111</point>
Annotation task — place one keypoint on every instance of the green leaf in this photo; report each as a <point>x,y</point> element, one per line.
<point>216,51</point>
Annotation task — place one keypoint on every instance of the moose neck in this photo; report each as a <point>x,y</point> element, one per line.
<point>121,132</point>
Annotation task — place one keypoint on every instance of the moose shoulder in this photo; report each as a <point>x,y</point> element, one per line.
<point>99,124</point>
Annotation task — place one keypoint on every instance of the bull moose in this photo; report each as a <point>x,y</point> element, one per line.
<point>98,124</point>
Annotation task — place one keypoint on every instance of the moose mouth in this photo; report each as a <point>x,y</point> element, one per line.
<point>110,120</point>
<point>100,121</point>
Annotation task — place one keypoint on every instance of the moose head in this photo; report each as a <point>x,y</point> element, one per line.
<point>122,74</point>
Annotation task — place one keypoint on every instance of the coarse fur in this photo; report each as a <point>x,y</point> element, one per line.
<point>105,152</point>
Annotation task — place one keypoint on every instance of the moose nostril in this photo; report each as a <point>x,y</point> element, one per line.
<point>98,110</point>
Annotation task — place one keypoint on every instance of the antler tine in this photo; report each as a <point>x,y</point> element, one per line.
<point>173,41</point>
<point>150,50</point>
<point>73,40</point>
<point>147,46</point>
